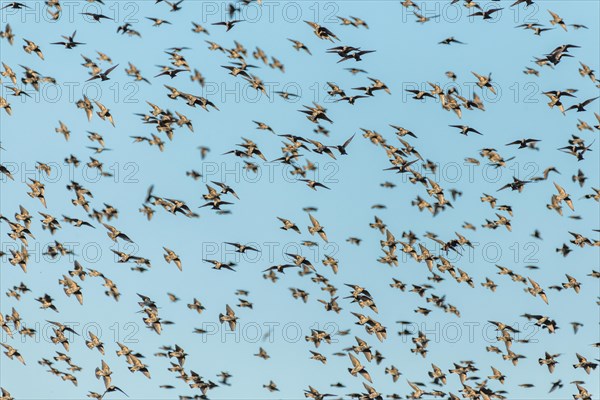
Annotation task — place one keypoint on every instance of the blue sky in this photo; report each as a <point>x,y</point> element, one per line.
<point>407,56</point>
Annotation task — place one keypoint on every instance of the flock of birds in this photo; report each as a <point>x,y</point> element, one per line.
<point>464,379</point>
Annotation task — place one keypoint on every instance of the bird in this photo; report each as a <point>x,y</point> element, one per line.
<point>11,353</point>
<point>287,224</point>
<point>219,265</point>
<point>358,368</point>
<point>580,107</point>
<point>313,184</point>
<point>465,129</point>
<point>557,20</point>
<point>584,364</point>
<point>527,3</point>
<point>487,14</point>
<point>96,17</point>
<point>158,21</point>
<point>111,389</point>
<point>524,143</point>
<point>228,24</point>
<point>171,256</point>
<point>229,317</point>
<point>69,41</point>
<point>103,75</point>
<point>563,196</point>
<point>15,6</point>
<point>450,40</point>
<point>423,19</point>
<point>300,46</point>
<point>485,81</point>
<point>342,148</point>
<point>316,228</point>
<point>240,248</point>
<point>322,32</point>
<point>516,184</point>
<point>31,47</point>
